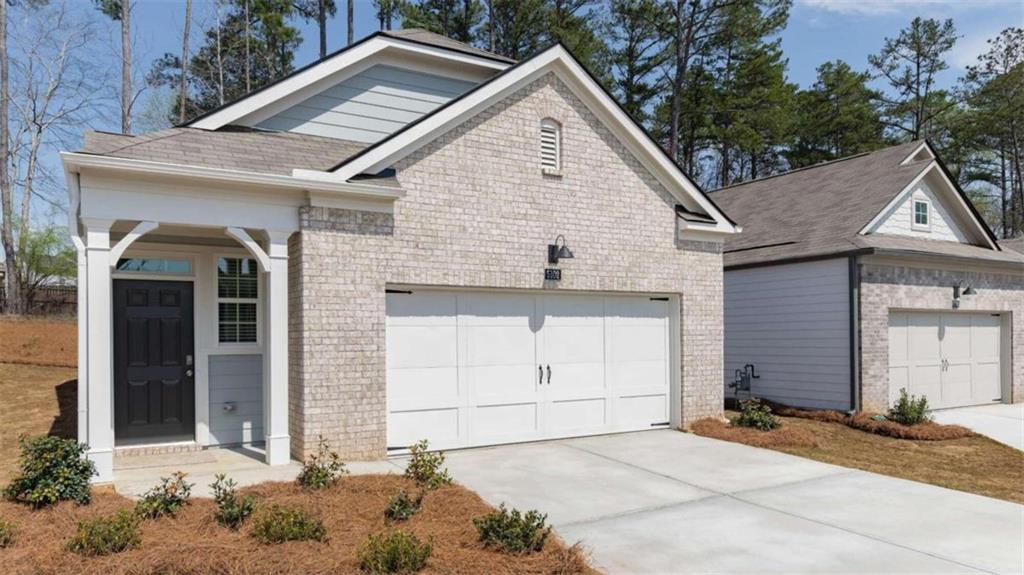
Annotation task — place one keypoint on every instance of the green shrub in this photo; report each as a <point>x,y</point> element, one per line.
<point>425,468</point>
<point>279,524</point>
<point>166,498</point>
<point>393,552</point>
<point>910,410</point>
<point>231,509</point>
<point>754,414</point>
<point>106,535</point>
<point>402,506</point>
<point>52,470</point>
<point>513,532</point>
<point>322,469</point>
<point>6,534</point>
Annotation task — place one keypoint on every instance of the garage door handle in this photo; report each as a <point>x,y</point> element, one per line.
<point>540,368</point>
<point>549,375</point>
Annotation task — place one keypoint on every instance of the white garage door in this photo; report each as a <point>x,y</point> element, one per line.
<point>951,358</point>
<point>477,368</point>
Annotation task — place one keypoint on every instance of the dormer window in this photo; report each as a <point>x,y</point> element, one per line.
<point>550,145</point>
<point>922,214</point>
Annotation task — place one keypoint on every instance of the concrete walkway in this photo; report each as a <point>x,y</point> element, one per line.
<point>1003,422</point>
<point>669,502</point>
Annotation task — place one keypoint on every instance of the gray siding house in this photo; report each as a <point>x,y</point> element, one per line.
<point>859,277</point>
<point>409,239</point>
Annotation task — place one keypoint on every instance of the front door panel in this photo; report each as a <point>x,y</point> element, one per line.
<point>154,383</point>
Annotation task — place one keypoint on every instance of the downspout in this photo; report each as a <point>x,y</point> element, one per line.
<point>854,281</point>
<point>74,203</point>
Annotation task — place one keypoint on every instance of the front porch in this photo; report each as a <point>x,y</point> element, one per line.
<point>183,343</point>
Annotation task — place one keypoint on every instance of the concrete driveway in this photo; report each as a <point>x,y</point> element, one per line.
<point>669,502</point>
<point>1003,422</point>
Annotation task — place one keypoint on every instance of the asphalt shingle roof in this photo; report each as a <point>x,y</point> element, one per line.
<point>232,148</point>
<point>427,37</point>
<point>820,210</point>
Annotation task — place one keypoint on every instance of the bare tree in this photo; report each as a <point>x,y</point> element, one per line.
<point>53,88</point>
<point>13,286</point>
<point>183,88</point>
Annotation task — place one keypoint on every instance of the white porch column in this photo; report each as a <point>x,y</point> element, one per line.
<point>275,388</point>
<point>81,284</point>
<point>99,388</point>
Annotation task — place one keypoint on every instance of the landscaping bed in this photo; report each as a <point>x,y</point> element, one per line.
<point>969,463</point>
<point>194,542</point>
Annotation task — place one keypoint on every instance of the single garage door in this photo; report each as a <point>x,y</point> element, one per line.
<point>481,368</point>
<point>951,358</point>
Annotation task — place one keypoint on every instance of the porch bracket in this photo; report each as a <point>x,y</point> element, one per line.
<point>243,237</point>
<point>140,230</point>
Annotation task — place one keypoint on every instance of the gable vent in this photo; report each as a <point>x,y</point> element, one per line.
<point>550,144</point>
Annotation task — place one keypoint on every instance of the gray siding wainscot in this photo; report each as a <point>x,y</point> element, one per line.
<point>236,381</point>
<point>792,322</point>
<point>369,106</point>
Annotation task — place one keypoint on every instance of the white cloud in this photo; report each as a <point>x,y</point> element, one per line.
<point>887,7</point>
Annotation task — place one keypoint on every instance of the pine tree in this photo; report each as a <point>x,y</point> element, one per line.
<point>518,26</point>
<point>637,50</point>
<point>456,19</point>
<point>574,24</point>
<point>835,117</point>
<point>318,10</point>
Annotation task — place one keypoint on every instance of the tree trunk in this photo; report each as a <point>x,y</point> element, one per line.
<point>321,20</point>
<point>248,56</point>
<point>126,67</point>
<point>1004,199</point>
<point>13,285</point>
<point>490,27</point>
<point>351,23</point>
<point>220,60</point>
<point>183,93</point>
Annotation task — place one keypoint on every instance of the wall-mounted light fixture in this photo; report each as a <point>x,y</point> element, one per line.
<point>958,291</point>
<point>558,252</point>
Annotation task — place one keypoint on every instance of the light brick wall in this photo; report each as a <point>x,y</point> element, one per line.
<point>479,213</point>
<point>889,287</point>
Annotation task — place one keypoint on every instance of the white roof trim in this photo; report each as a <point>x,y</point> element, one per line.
<point>965,210</point>
<point>351,60</point>
<point>555,59</point>
<point>74,162</point>
<point>917,150</point>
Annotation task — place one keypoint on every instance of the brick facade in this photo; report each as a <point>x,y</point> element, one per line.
<point>479,213</point>
<point>890,287</point>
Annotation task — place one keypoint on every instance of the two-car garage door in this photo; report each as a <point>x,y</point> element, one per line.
<point>951,358</point>
<point>482,368</point>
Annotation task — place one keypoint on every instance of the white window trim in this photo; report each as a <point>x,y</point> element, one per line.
<point>913,214</point>
<point>249,346</point>
<point>551,123</point>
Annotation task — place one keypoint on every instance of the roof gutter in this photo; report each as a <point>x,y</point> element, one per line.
<point>940,258</point>
<point>74,162</point>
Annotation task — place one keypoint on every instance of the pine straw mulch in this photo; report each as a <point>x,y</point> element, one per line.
<point>36,341</point>
<point>975,464</point>
<point>864,421</point>
<point>785,436</point>
<point>193,542</point>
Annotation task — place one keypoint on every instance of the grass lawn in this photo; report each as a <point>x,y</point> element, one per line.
<point>193,542</point>
<point>974,464</point>
<point>34,400</point>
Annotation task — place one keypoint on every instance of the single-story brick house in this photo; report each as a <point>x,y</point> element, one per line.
<point>856,278</point>
<point>410,238</point>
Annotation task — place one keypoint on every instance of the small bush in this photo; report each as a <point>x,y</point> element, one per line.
<point>425,468</point>
<point>322,469</point>
<point>6,534</point>
<point>166,498</point>
<point>402,506</point>
<point>910,410</point>
<point>513,532</point>
<point>231,509</point>
<point>394,552</point>
<point>757,415</point>
<point>279,524</point>
<point>52,469</point>
<point>106,535</point>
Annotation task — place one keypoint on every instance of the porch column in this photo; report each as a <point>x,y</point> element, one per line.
<point>99,388</point>
<point>275,389</point>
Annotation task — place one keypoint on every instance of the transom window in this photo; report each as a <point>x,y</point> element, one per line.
<point>154,265</point>
<point>550,144</point>
<point>921,213</point>
<point>237,300</point>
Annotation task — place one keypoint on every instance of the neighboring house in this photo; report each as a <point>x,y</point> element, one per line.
<point>360,251</point>
<point>858,277</point>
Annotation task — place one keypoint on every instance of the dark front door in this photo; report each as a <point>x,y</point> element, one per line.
<point>154,383</point>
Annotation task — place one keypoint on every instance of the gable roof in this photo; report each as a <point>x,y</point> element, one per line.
<point>1016,245</point>
<point>232,148</point>
<point>411,42</point>
<point>384,153</point>
<point>821,210</point>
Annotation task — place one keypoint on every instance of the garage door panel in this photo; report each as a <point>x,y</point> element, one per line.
<point>578,416</point>
<point>422,346</point>
<point>440,426</point>
<point>432,387</point>
<point>955,337</point>
<point>628,375</point>
<point>899,378</point>
<point>956,385</point>
<point>568,310</point>
<point>502,383</point>
<point>985,336</point>
<point>637,343</point>
<point>923,341</point>
<point>499,345</point>
<point>496,310</point>
<point>898,352</point>
<point>986,382</point>
<point>641,411</point>
<point>422,309</point>
<point>500,422</point>
<point>636,310</point>
<point>574,344</point>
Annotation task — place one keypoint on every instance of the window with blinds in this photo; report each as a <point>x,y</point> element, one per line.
<point>550,144</point>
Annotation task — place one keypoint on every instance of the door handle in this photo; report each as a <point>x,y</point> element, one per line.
<point>540,368</point>
<point>188,373</point>
<point>549,375</point>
